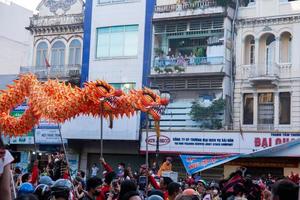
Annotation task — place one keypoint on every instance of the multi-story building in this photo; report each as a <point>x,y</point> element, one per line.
<point>57,30</point>
<point>55,53</point>
<point>116,33</point>
<point>191,59</point>
<point>267,84</point>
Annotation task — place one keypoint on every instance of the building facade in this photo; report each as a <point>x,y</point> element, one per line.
<point>191,59</point>
<point>55,53</point>
<point>114,50</point>
<point>266,94</point>
<point>57,30</point>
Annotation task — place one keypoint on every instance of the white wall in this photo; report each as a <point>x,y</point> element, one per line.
<point>15,40</point>
<point>119,70</point>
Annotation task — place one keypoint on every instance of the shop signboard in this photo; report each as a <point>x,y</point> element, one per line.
<point>48,136</point>
<point>216,142</point>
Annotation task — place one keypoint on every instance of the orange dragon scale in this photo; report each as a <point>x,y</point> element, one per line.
<point>57,102</point>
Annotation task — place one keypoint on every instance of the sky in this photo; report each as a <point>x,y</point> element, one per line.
<point>29,4</point>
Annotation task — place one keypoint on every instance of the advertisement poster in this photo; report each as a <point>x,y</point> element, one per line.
<point>74,163</point>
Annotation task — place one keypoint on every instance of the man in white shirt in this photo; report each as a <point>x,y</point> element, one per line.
<point>94,170</point>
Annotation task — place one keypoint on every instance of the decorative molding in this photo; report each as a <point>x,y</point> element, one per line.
<point>54,5</point>
<point>268,21</point>
<point>267,28</point>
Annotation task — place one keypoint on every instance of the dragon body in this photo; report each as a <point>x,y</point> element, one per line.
<point>57,102</point>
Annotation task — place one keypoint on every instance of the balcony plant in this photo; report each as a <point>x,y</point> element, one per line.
<point>179,69</point>
<point>168,70</point>
<point>158,51</point>
<point>158,70</point>
<point>208,115</point>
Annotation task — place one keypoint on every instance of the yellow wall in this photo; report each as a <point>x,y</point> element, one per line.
<point>287,171</point>
<point>228,169</point>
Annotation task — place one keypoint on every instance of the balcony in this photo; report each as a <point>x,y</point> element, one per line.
<point>65,72</point>
<point>181,66</point>
<point>172,9</point>
<point>263,75</point>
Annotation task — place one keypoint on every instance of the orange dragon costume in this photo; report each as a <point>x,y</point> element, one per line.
<point>58,102</point>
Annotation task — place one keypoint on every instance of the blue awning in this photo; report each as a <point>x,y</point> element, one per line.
<point>194,164</point>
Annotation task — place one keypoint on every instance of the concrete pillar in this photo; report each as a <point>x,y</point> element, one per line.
<point>255,108</point>
<point>83,161</point>
<point>276,109</point>
<point>277,50</point>
<point>256,57</point>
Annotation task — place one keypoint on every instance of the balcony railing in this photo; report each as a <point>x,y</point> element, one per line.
<point>60,72</point>
<point>202,4</point>
<point>264,70</point>
<point>188,65</point>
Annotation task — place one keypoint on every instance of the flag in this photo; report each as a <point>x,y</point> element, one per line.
<point>47,63</point>
<point>194,164</point>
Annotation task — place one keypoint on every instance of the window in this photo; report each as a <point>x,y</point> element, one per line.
<point>249,46</point>
<point>284,108</point>
<point>75,53</point>
<point>126,87</point>
<point>58,54</point>
<point>265,108</point>
<point>41,54</point>
<point>117,41</point>
<point>248,109</point>
<point>285,47</point>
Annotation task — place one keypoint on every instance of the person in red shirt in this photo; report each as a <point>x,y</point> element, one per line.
<point>163,185</point>
<point>109,177</point>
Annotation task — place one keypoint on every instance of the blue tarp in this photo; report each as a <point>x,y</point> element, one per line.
<point>194,164</point>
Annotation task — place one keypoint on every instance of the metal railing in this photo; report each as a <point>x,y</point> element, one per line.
<point>191,61</point>
<point>201,4</point>
<point>58,71</point>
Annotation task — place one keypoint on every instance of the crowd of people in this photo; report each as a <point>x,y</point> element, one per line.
<point>55,183</point>
<point>179,60</point>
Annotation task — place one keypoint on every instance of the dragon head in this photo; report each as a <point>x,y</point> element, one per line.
<point>147,101</point>
<point>103,94</point>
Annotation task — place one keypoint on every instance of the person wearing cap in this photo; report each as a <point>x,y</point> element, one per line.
<point>46,180</point>
<point>201,187</point>
<point>166,166</point>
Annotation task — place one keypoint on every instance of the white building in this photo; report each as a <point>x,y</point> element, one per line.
<point>58,33</point>
<point>113,51</point>
<point>15,40</point>
<point>267,80</point>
